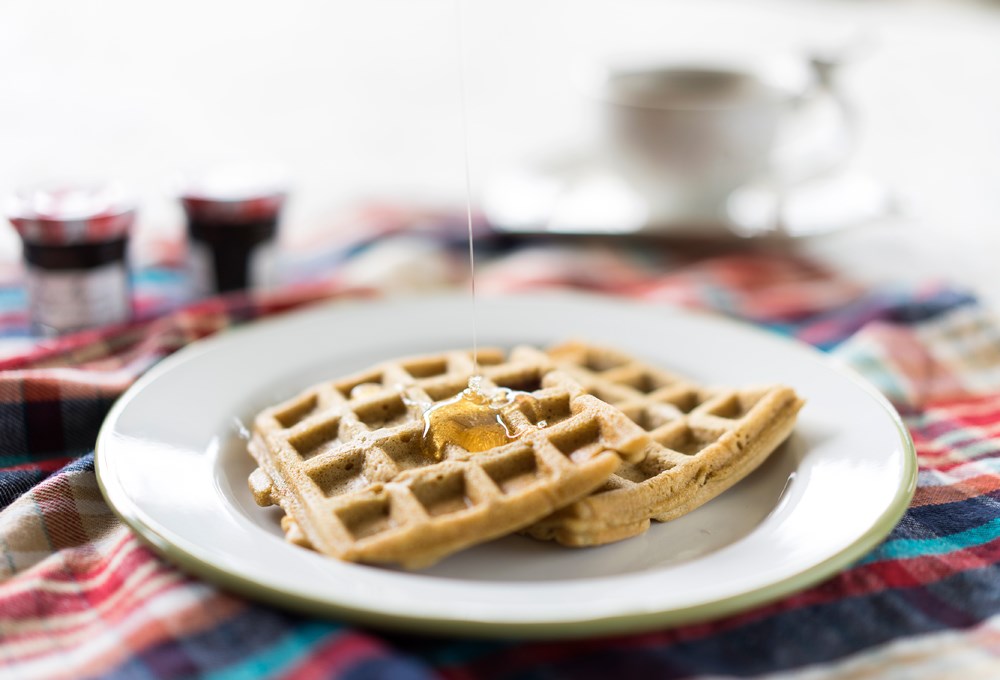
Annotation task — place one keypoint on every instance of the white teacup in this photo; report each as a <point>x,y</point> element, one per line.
<point>689,133</point>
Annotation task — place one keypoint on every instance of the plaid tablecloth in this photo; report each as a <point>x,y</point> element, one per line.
<point>81,597</point>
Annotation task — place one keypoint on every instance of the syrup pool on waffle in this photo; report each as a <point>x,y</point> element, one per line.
<point>471,419</point>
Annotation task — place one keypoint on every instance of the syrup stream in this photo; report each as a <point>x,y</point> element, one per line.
<point>475,380</point>
<point>471,419</point>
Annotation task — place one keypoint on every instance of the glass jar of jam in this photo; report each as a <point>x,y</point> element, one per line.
<point>75,238</point>
<point>232,220</point>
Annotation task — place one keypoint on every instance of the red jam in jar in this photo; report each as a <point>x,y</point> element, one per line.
<point>75,238</point>
<point>232,220</point>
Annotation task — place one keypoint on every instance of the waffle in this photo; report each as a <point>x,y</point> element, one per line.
<point>348,460</point>
<point>704,441</point>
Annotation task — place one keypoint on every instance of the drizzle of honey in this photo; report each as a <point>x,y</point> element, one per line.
<point>471,420</point>
<point>468,420</point>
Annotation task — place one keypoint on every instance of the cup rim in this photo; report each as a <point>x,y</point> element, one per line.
<point>786,74</point>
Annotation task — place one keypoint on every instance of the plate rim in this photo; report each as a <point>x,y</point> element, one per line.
<point>150,536</point>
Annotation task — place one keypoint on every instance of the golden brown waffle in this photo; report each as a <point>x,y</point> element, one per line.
<point>705,440</point>
<point>347,459</point>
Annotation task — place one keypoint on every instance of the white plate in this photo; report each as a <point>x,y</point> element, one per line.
<point>171,462</point>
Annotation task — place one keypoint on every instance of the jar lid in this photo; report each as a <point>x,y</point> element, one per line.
<point>234,193</point>
<point>68,213</point>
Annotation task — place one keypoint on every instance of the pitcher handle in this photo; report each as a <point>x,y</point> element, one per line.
<point>758,207</point>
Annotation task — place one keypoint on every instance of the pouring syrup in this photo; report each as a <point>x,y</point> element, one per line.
<point>471,419</point>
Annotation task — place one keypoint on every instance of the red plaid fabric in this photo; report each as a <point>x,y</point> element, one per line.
<point>80,596</point>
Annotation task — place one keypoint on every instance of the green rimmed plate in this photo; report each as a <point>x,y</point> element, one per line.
<point>171,462</point>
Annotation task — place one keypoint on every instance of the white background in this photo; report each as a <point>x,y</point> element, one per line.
<point>360,99</point>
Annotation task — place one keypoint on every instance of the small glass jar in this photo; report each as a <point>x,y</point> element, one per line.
<point>232,221</point>
<point>75,239</point>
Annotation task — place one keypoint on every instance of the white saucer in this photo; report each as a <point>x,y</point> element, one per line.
<point>171,461</point>
<point>581,194</point>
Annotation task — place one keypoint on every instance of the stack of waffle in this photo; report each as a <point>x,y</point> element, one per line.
<point>595,445</point>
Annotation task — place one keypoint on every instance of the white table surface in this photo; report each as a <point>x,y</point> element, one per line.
<point>360,100</point>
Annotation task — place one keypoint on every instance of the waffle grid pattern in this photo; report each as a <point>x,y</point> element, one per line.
<point>704,441</point>
<point>346,459</point>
